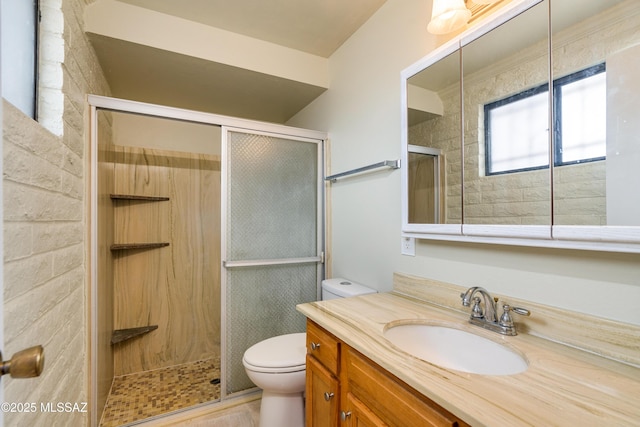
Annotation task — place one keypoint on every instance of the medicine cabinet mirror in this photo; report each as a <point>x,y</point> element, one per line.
<point>533,119</point>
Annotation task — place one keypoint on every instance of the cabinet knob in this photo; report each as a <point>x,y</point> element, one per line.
<point>315,346</point>
<point>328,395</point>
<point>345,415</point>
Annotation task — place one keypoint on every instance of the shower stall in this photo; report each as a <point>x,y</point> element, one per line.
<point>206,231</point>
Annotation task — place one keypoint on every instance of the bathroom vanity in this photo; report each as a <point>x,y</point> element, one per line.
<point>355,376</point>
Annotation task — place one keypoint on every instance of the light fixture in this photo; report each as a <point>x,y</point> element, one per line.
<point>448,16</point>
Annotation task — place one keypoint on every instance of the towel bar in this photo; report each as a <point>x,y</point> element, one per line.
<point>393,164</point>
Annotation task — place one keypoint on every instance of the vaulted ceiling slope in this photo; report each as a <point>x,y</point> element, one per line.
<point>258,59</point>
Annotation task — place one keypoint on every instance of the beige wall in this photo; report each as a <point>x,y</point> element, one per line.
<point>361,112</point>
<point>44,224</point>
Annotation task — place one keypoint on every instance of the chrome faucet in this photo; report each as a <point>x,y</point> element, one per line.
<point>484,313</point>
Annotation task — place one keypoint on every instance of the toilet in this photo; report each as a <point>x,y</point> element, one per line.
<point>277,365</point>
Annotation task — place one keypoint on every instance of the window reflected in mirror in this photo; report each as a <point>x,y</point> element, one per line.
<point>579,117</point>
<point>516,132</point>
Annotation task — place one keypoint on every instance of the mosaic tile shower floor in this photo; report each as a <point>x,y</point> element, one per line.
<point>142,395</point>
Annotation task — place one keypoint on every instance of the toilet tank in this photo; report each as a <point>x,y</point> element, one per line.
<point>342,288</point>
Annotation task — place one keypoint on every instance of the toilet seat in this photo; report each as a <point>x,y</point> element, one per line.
<point>281,354</point>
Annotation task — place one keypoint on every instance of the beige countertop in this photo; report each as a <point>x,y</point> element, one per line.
<point>563,386</point>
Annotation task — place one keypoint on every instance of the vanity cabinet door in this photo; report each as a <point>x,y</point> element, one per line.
<point>356,414</point>
<point>392,401</point>
<point>323,393</point>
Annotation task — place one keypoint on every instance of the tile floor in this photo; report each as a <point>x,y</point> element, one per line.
<point>142,395</point>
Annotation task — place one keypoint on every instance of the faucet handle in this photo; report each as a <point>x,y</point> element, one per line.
<point>476,310</point>
<point>465,299</point>
<point>505,319</point>
<point>521,311</point>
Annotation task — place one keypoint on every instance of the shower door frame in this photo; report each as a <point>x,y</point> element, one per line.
<point>98,102</point>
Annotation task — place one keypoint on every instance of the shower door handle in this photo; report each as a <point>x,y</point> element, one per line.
<point>282,261</point>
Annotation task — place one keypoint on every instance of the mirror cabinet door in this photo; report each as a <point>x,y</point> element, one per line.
<point>506,124</point>
<point>596,99</point>
<point>434,180</point>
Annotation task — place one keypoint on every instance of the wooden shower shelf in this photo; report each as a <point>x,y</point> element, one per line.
<point>120,335</point>
<point>133,197</point>
<point>126,246</point>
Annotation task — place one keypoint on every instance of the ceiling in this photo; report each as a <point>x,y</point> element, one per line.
<point>167,69</point>
<point>317,27</point>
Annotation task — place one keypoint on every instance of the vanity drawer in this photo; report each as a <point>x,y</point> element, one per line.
<point>323,346</point>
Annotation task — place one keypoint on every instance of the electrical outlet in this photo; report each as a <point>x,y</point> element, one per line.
<point>408,246</point>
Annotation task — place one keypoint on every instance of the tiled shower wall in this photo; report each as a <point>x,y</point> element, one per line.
<point>177,287</point>
<point>45,266</point>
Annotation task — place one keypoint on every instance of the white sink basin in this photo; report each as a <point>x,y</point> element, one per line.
<point>456,349</point>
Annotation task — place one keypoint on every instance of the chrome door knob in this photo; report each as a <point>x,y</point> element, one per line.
<point>315,346</point>
<point>27,363</point>
<point>328,395</point>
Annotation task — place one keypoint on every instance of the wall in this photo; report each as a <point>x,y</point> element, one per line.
<point>44,224</point>
<point>361,112</point>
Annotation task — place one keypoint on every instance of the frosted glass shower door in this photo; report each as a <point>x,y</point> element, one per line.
<point>273,240</point>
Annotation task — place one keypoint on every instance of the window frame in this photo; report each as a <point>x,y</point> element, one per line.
<point>558,84</point>
<point>487,127</point>
<point>557,119</point>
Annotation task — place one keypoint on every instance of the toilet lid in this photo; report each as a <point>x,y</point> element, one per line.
<point>284,352</point>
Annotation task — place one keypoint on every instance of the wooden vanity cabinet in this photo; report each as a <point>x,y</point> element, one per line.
<point>369,396</point>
